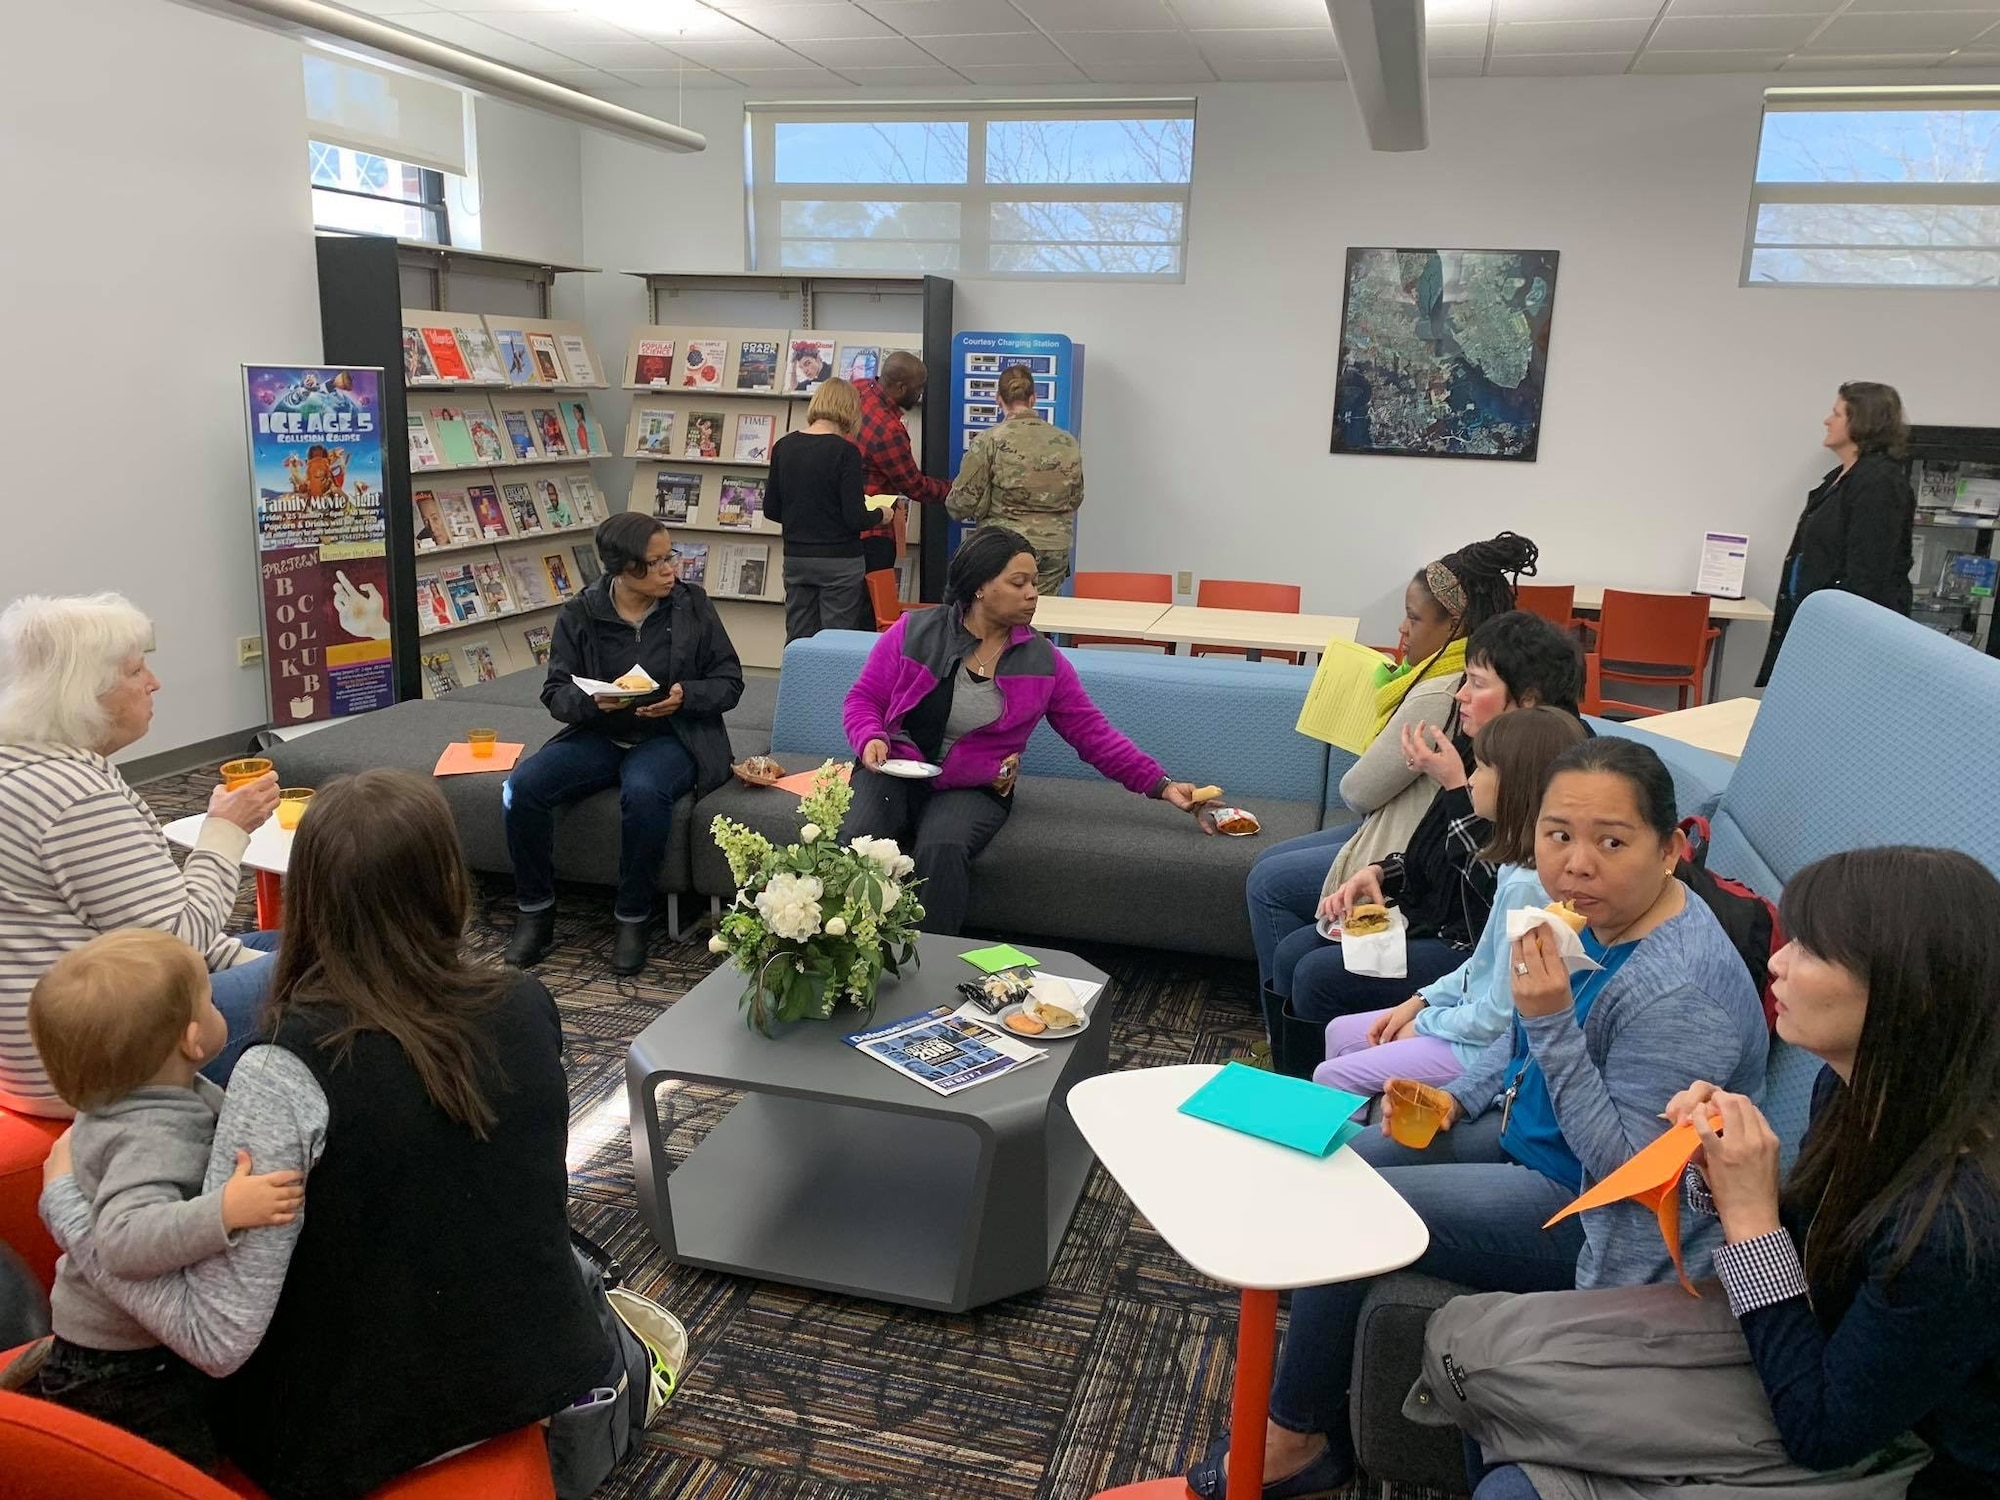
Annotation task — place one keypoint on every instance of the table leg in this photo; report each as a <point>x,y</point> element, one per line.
<point>1715,662</point>
<point>270,901</point>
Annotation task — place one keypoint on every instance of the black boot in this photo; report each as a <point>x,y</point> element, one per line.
<point>629,952</point>
<point>534,935</point>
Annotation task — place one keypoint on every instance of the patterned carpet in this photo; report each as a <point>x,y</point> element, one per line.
<point>1117,1371</point>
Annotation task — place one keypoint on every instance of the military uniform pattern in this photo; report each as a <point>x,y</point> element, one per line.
<point>1026,474</point>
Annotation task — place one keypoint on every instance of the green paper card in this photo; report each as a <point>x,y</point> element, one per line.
<point>993,960</point>
<point>1293,1112</point>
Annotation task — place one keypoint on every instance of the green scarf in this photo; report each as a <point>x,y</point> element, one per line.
<point>1393,684</point>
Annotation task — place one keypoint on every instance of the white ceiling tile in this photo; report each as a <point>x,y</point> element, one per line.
<point>680,20</point>
<point>551,28</point>
<point>1272,42</point>
<point>630,53</point>
<point>1972,60</point>
<point>1561,65</point>
<point>1455,41</point>
<point>1279,69</point>
<point>810,23</point>
<point>850,53</point>
<point>1225,15</point>
<point>1897,7</point>
<point>1023,49</point>
<point>1576,10</point>
<point>1098,15</point>
<point>1457,67</point>
<point>736,5</point>
<point>689,77</point>
<point>1550,38</point>
<point>1909,32</point>
<point>461,31</point>
<point>1821,8</point>
<point>1088,49</point>
<point>1731,33</point>
<point>1175,74</point>
<point>1011,75</point>
<point>1458,12</point>
<point>1651,61</point>
<point>1821,62</point>
<point>790,80</point>
<point>732,57</point>
<point>928,76</point>
<point>389,8</point>
<point>922,18</point>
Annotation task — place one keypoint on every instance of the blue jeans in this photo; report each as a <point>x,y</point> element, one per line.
<point>651,777</point>
<point>1282,892</point>
<point>1485,1215</point>
<point>239,994</point>
<point>1310,986</point>
<point>1506,1483</point>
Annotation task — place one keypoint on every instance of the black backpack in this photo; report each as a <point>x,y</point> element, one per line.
<point>1749,919</point>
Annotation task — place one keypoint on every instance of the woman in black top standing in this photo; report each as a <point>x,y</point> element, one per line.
<point>815,495</point>
<point>1855,533</point>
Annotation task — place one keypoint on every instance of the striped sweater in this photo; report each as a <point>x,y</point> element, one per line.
<point>81,854</point>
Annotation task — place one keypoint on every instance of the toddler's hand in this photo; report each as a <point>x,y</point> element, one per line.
<point>261,1202</point>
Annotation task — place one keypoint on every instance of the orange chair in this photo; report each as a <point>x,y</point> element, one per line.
<point>1271,598</point>
<point>1662,640</point>
<point>1135,588</point>
<point>24,1146</point>
<point>1554,602</point>
<point>882,598</point>
<point>49,1452</point>
<point>1593,685</point>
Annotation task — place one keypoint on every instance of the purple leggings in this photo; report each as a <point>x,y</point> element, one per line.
<point>1353,1065</point>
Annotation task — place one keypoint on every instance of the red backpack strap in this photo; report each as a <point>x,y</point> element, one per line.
<point>1696,831</point>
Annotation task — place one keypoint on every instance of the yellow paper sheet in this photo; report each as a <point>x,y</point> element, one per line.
<point>1340,704</point>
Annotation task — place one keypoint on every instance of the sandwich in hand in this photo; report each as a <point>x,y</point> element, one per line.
<point>1568,915</point>
<point>1365,920</point>
<point>635,681</point>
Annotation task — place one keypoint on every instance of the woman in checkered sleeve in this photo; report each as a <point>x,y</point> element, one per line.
<point>1868,1284</point>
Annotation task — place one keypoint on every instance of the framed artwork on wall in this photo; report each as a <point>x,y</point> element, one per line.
<point>1443,353</point>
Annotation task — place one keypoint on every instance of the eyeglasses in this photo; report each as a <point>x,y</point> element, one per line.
<point>663,564</point>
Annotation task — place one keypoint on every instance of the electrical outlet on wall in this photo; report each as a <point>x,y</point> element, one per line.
<point>249,648</point>
<point>1184,583</point>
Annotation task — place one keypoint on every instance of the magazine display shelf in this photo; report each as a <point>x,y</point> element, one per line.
<point>881,313</point>
<point>1954,576</point>
<point>366,285</point>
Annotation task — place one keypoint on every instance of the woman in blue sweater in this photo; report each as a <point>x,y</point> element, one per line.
<point>1567,1096</point>
<point>1868,1286</point>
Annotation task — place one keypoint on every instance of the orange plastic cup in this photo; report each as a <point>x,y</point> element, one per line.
<point>1416,1111</point>
<point>236,772</point>
<point>292,802</point>
<point>482,741</point>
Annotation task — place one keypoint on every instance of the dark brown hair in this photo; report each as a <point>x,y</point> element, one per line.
<point>1914,1131</point>
<point>1486,573</point>
<point>1637,766</point>
<point>106,1017</point>
<point>622,541</point>
<point>375,904</point>
<point>1875,418</point>
<point>1521,746</point>
<point>1017,386</point>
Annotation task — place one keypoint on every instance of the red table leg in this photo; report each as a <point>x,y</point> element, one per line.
<point>270,901</point>
<point>1250,1409</point>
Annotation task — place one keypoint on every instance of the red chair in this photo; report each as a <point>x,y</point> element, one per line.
<point>1593,685</point>
<point>882,598</point>
<point>48,1452</point>
<point>24,1146</point>
<point>1661,640</point>
<point>1554,602</point>
<point>1271,598</point>
<point>1135,588</point>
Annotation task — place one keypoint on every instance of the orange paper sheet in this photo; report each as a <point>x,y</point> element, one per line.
<point>1652,1178</point>
<point>457,759</point>
<point>800,784</point>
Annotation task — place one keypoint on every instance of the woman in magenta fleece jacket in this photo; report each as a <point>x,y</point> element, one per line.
<point>963,687</point>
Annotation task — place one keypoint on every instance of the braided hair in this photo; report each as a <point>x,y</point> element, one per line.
<point>1477,582</point>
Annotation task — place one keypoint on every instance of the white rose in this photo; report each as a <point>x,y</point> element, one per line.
<point>836,927</point>
<point>789,906</point>
<point>717,944</point>
<point>809,834</point>
<point>884,856</point>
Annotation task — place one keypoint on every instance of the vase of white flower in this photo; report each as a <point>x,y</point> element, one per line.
<point>815,923</point>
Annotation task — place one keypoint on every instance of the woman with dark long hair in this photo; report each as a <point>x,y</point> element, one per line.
<point>1868,1283</point>
<point>428,1298</point>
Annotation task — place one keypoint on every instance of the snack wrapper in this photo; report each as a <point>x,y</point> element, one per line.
<point>1525,919</point>
<point>1379,955</point>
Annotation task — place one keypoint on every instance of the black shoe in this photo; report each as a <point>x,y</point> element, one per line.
<point>631,949</point>
<point>534,935</point>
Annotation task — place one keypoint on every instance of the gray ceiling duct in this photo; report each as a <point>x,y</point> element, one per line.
<point>1382,47</point>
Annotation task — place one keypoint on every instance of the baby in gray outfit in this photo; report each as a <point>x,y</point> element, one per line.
<point>122,1024</point>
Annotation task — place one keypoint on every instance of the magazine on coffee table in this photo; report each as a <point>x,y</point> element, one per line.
<point>947,1054</point>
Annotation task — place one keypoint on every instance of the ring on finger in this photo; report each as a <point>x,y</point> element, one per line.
<point>1521,969</point>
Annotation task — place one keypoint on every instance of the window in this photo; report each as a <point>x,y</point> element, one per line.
<point>1889,187</point>
<point>1029,190</point>
<point>366,194</point>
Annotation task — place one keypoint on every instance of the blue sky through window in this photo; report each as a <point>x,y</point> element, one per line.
<point>1891,145</point>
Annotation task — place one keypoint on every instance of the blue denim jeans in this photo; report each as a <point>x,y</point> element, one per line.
<point>1485,1215</point>
<point>239,994</point>
<point>1282,893</point>
<point>651,777</point>
<point>1506,1483</point>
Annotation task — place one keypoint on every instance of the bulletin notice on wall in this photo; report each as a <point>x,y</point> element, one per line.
<point>322,538</point>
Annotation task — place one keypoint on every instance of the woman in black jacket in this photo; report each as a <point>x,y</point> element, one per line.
<point>1855,533</point>
<point>654,749</point>
<point>814,494</point>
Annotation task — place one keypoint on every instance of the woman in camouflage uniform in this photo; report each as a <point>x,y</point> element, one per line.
<point>1025,474</point>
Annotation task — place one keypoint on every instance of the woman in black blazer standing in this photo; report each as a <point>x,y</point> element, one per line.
<point>1855,533</point>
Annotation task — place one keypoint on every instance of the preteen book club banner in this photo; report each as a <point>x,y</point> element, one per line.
<point>322,538</point>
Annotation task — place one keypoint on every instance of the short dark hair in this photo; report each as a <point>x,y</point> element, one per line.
<point>622,541</point>
<point>1875,418</point>
<point>981,558</point>
<point>1530,655</point>
<point>1521,746</point>
<point>1642,770</point>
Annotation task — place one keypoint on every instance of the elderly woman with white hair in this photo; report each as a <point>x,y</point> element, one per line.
<point>80,853</point>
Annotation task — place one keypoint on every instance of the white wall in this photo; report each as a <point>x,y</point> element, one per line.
<point>1677,400</point>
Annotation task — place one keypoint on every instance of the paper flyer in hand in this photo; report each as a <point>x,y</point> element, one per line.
<point>1340,704</point>
<point>945,1053</point>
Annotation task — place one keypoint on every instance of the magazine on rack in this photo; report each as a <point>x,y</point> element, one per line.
<point>947,1054</point>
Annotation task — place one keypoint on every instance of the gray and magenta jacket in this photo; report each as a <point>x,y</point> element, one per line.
<point>1036,681</point>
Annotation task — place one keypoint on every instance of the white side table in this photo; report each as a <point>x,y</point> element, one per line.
<point>1245,1212</point>
<point>269,854</point>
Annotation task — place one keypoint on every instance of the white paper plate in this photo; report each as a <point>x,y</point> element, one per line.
<point>1329,929</point>
<point>598,689</point>
<point>910,770</point>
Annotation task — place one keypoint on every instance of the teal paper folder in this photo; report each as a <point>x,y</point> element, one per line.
<point>1291,1111</point>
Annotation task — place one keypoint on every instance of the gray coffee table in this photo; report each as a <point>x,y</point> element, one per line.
<point>836,1172</point>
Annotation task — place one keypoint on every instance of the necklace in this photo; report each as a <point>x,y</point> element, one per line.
<point>981,665</point>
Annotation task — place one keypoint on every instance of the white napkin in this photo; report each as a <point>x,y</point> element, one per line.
<point>598,689</point>
<point>1524,919</point>
<point>1381,955</point>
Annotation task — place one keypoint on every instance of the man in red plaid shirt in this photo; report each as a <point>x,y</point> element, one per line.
<point>889,466</point>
